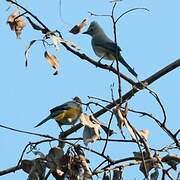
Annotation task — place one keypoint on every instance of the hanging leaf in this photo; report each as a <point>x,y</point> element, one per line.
<point>144,133</point>
<point>78,27</point>
<point>26,53</point>
<point>55,160</point>
<point>91,130</point>
<point>16,22</point>
<point>36,27</point>
<point>27,165</point>
<point>155,174</point>
<point>106,176</point>
<point>52,61</point>
<point>171,160</point>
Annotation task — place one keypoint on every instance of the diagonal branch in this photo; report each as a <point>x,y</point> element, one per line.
<point>131,93</point>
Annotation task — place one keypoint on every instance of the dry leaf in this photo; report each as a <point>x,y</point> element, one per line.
<point>27,165</point>
<point>52,61</point>
<point>38,170</point>
<point>36,27</point>
<point>122,120</point>
<point>56,40</point>
<point>154,175</point>
<point>117,174</point>
<point>119,117</point>
<point>26,53</point>
<point>54,159</point>
<point>139,155</point>
<point>171,160</point>
<point>106,176</point>
<point>78,27</point>
<point>11,18</point>
<point>144,133</point>
<point>87,171</point>
<point>91,130</point>
<point>91,135</point>
<point>16,22</point>
<point>149,165</point>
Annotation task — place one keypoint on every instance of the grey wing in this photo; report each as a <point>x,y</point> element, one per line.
<point>110,45</point>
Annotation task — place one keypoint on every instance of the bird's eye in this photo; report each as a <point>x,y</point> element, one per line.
<point>91,30</point>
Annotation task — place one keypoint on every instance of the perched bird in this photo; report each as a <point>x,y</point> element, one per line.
<point>104,47</point>
<point>65,114</point>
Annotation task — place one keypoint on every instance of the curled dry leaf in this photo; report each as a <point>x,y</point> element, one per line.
<point>139,155</point>
<point>78,27</point>
<point>36,27</point>
<point>38,170</point>
<point>106,176</point>
<point>87,171</point>
<point>35,168</point>
<point>16,22</point>
<point>91,130</point>
<point>148,166</point>
<point>155,174</point>
<point>56,40</point>
<point>171,160</point>
<point>27,165</point>
<point>52,61</point>
<point>117,174</point>
<point>26,53</point>
<point>122,120</point>
<point>144,133</point>
<point>54,160</point>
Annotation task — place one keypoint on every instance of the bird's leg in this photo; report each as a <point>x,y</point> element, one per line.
<point>101,59</point>
<point>60,125</point>
<point>111,65</point>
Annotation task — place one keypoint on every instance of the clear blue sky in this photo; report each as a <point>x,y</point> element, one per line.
<point>149,41</point>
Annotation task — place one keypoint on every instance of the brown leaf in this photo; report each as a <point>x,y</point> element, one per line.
<point>27,165</point>
<point>117,174</point>
<point>26,53</point>
<point>106,176</point>
<point>54,160</point>
<point>52,61</point>
<point>78,27</point>
<point>38,170</point>
<point>119,116</point>
<point>91,130</point>
<point>87,171</point>
<point>149,165</point>
<point>122,120</point>
<point>16,22</point>
<point>171,160</point>
<point>36,27</point>
<point>139,155</point>
<point>154,175</point>
<point>20,24</point>
<point>144,133</point>
<point>11,18</point>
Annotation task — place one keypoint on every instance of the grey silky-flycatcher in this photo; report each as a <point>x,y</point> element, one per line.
<point>65,114</point>
<point>104,47</point>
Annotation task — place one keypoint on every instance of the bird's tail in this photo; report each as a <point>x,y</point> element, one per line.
<point>121,59</point>
<point>43,121</point>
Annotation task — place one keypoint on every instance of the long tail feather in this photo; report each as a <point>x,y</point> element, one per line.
<point>121,59</point>
<point>43,121</point>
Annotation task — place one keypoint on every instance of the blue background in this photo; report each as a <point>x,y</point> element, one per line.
<point>149,41</point>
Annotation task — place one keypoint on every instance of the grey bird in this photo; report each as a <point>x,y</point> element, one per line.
<point>104,47</point>
<point>65,114</point>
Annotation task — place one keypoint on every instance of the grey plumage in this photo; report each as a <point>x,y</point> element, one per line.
<point>104,47</point>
